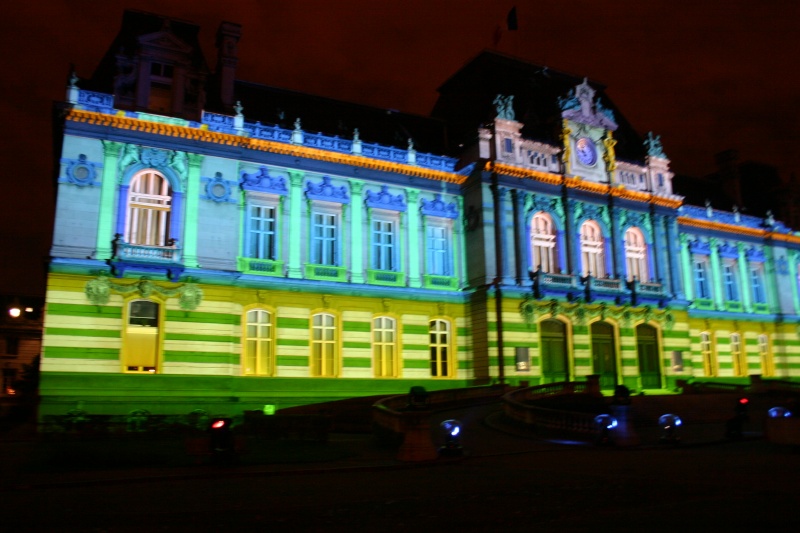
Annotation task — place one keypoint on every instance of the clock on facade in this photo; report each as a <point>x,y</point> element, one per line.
<point>587,154</point>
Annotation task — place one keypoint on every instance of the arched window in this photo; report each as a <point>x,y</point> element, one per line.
<point>707,354</point>
<point>258,347</point>
<point>636,255</point>
<point>543,243</point>
<point>592,250</point>
<point>441,363</point>
<point>554,351</point>
<point>649,358</point>
<point>148,210</point>
<point>384,346</point>
<point>604,353</point>
<point>324,349</point>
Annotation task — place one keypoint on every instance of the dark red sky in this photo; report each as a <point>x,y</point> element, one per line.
<point>705,75</point>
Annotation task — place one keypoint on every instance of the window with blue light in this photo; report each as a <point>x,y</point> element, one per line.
<point>508,145</point>
<point>729,282</point>
<point>384,253</point>
<point>757,282</point>
<point>324,239</point>
<point>438,250</point>
<point>261,232</point>
<point>701,285</point>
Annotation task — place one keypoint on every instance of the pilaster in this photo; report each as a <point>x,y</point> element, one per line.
<point>686,262</point>
<point>108,188</point>
<point>192,207</point>
<point>295,224</point>
<point>357,232</point>
<point>716,275</point>
<point>412,198</point>
<point>743,275</point>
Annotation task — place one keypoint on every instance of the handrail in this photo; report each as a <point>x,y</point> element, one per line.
<point>516,405</point>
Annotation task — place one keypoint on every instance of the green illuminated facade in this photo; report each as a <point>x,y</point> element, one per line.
<point>211,252</point>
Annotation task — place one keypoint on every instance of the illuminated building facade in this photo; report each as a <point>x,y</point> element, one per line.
<point>211,252</point>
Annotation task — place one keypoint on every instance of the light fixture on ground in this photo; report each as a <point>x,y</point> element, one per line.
<point>779,412</point>
<point>451,430</point>
<point>605,425</point>
<point>669,425</point>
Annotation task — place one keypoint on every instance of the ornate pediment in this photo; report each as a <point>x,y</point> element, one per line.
<point>164,40</point>
<point>383,199</point>
<point>581,107</point>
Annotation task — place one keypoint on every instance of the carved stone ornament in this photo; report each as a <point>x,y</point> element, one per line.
<point>385,200</point>
<point>438,208</point>
<point>98,291</point>
<point>81,172</point>
<point>327,192</point>
<point>261,181</point>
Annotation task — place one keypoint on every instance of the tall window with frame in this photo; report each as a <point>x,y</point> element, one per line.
<point>438,248</point>
<point>702,286</point>
<point>141,343</point>
<point>636,255</point>
<point>384,244</point>
<point>730,281</point>
<point>757,283</point>
<point>543,243</point>
<point>738,355</point>
<point>592,250</point>
<point>324,238</point>
<point>442,363</point>
<point>148,211</point>
<point>259,344</point>
<point>765,354</point>
<point>324,345</point>
<point>262,231</point>
<point>707,354</point>
<point>384,347</point>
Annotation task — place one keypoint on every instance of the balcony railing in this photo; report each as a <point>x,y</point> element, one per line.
<point>148,254</point>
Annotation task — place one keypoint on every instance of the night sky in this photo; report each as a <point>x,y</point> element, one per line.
<point>707,76</point>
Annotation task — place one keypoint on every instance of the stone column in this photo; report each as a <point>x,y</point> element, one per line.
<point>686,263</point>
<point>674,251</point>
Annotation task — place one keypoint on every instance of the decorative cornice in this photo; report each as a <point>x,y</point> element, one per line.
<point>519,172</point>
<point>729,228</point>
<point>98,291</point>
<point>202,134</point>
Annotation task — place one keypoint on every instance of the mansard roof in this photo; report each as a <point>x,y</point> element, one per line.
<point>387,127</point>
<point>466,101</point>
<point>138,24</point>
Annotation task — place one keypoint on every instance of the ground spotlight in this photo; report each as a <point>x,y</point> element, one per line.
<point>669,425</point>
<point>451,430</point>
<point>779,412</point>
<point>605,424</point>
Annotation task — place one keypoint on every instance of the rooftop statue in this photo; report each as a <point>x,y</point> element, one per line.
<point>653,146</point>
<point>504,106</point>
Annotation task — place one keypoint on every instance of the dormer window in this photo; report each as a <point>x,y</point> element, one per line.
<point>161,87</point>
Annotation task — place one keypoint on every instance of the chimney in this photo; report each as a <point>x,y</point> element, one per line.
<point>228,36</point>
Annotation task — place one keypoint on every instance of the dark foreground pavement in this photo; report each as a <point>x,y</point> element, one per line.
<point>507,481</point>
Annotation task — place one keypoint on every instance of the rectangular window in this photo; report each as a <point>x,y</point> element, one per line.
<point>508,145</point>
<point>262,234</point>
<point>441,365</point>
<point>324,239</point>
<point>141,342</point>
<point>384,346</point>
<point>438,250</point>
<point>323,345</point>
<point>707,354</point>
<point>729,282</point>
<point>383,245</point>
<point>258,358</point>
<point>701,285</point>
<point>757,281</point>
